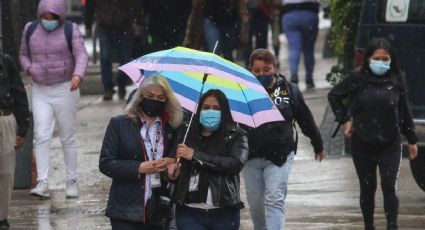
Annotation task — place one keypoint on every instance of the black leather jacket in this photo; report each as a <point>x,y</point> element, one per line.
<point>221,172</point>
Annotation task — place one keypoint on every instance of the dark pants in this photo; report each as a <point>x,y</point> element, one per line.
<point>127,225</point>
<point>120,42</point>
<point>366,159</point>
<point>203,219</point>
<point>225,35</point>
<point>258,28</point>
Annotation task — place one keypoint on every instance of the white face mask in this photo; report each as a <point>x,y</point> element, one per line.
<point>49,25</point>
<point>379,67</point>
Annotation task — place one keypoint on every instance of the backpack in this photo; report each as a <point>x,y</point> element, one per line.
<point>67,30</point>
<point>294,94</point>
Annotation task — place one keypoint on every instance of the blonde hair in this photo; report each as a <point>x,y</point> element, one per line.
<point>172,105</point>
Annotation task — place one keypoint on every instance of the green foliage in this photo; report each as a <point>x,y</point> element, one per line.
<point>344,15</point>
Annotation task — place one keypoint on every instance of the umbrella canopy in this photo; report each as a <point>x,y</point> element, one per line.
<point>248,100</point>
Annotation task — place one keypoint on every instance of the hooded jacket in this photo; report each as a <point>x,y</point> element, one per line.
<point>47,57</point>
<point>274,141</point>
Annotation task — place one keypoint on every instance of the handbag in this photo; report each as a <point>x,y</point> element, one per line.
<point>158,210</point>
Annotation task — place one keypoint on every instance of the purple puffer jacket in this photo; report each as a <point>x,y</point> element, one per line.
<point>51,61</point>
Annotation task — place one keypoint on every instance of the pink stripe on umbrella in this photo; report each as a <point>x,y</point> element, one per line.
<point>267,116</point>
<point>242,118</point>
<point>184,68</point>
<point>185,102</point>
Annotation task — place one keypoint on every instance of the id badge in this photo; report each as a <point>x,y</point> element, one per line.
<point>155,180</point>
<point>194,182</point>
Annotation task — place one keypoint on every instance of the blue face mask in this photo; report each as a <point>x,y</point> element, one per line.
<point>49,25</point>
<point>379,67</point>
<point>210,119</point>
<point>265,80</point>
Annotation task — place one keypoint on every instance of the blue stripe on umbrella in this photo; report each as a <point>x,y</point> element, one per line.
<point>198,56</point>
<point>197,62</point>
<point>248,108</point>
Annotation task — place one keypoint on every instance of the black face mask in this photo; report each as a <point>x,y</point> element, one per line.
<point>151,107</point>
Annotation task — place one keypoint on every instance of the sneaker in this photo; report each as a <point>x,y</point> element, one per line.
<point>4,224</point>
<point>122,92</point>
<point>72,189</point>
<point>107,94</point>
<point>41,190</point>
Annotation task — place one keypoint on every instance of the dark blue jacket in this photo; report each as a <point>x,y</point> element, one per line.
<point>122,152</point>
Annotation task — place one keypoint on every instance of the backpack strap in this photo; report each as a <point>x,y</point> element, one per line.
<point>68,30</point>
<point>294,94</point>
<point>68,34</point>
<point>28,34</point>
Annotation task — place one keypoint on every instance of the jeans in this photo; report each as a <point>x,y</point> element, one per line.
<point>120,42</point>
<point>301,28</point>
<point>266,188</point>
<point>55,104</point>
<point>188,218</point>
<point>224,34</point>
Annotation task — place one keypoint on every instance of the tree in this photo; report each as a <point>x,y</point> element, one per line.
<point>344,15</point>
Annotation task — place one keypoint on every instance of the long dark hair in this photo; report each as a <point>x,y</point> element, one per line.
<point>217,143</point>
<point>395,73</point>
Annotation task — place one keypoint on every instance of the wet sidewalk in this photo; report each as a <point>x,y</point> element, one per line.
<point>320,195</point>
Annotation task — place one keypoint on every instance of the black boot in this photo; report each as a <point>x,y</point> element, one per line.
<point>369,227</point>
<point>4,224</point>
<point>392,226</point>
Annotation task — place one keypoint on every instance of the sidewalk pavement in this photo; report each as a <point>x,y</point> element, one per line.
<point>320,195</point>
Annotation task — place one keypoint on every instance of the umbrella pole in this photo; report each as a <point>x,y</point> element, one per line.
<point>190,121</point>
<point>196,106</point>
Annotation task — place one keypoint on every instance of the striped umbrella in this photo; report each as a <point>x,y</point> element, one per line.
<point>191,73</point>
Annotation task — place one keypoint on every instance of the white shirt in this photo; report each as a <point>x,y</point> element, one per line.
<point>149,136</point>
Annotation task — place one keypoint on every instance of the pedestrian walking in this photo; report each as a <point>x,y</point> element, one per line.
<point>14,123</point>
<point>374,117</point>
<point>115,20</point>
<point>300,21</point>
<point>216,21</point>
<point>52,52</point>
<point>166,22</point>
<point>261,13</point>
<point>206,184</point>
<point>272,147</point>
<point>135,155</point>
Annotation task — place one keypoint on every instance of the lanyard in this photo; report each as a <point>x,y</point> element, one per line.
<point>154,148</point>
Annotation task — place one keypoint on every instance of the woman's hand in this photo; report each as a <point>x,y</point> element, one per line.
<point>184,152</point>
<point>174,170</point>
<point>348,129</point>
<point>413,151</point>
<point>75,82</point>
<point>155,166</point>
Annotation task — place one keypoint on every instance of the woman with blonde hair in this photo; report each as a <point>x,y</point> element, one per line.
<point>134,155</point>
